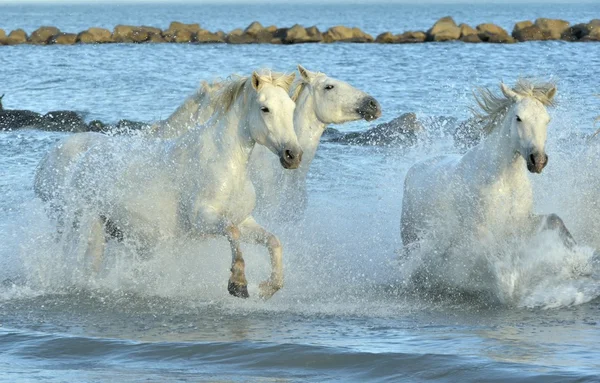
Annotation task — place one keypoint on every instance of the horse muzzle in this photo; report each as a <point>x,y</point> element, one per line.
<point>369,109</point>
<point>536,161</point>
<point>290,158</point>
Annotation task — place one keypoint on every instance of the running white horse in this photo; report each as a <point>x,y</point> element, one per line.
<point>320,101</point>
<point>486,192</point>
<point>195,185</point>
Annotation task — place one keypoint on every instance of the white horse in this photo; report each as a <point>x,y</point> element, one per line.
<point>320,101</point>
<point>195,185</point>
<point>486,192</point>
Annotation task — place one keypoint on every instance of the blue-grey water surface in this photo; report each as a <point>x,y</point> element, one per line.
<point>346,312</point>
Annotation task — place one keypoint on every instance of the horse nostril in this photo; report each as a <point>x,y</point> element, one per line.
<point>532,159</point>
<point>289,155</point>
<point>372,104</point>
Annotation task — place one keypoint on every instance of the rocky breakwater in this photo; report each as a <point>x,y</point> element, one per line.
<point>444,30</point>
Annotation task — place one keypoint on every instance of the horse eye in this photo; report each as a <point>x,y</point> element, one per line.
<point>518,118</point>
<point>264,109</point>
<point>328,87</point>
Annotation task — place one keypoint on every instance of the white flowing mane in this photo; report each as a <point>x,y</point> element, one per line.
<point>300,85</point>
<point>229,90</point>
<point>494,106</point>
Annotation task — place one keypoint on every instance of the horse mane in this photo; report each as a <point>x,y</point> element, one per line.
<point>494,106</point>
<point>232,88</point>
<point>300,85</point>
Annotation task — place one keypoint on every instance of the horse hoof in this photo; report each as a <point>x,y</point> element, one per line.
<point>267,289</point>
<point>237,290</point>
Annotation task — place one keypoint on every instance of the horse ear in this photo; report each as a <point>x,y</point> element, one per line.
<point>508,93</point>
<point>305,73</point>
<point>551,93</point>
<point>255,81</point>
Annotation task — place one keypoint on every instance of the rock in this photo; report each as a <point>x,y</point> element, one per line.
<point>491,33</point>
<point>385,38</point>
<point>64,39</point>
<point>254,28</point>
<point>237,36</point>
<point>18,119</point>
<point>43,34</point>
<point>445,29</point>
<point>471,38</point>
<point>63,121</point>
<point>133,34</point>
<point>519,26</point>
<point>181,33</point>
<point>18,36</point>
<point>594,35</point>
<point>402,130</point>
<point>128,125</point>
<point>531,33</point>
<point>344,34</point>
<point>177,26</point>
<point>98,126</point>
<point>298,34</point>
<point>95,36</point>
<point>411,37</point>
<point>205,37</point>
<point>466,30</point>
<point>552,27</point>
<point>2,35</point>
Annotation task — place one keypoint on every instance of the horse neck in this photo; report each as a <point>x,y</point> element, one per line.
<point>498,156</point>
<point>308,127</point>
<point>228,134</point>
<point>186,112</point>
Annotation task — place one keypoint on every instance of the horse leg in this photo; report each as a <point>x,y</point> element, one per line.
<point>554,222</point>
<point>238,285</point>
<point>252,232</point>
<point>96,244</point>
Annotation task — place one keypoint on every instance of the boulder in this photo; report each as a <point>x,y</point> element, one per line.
<point>531,33</point>
<point>18,119</point>
<point>466,30</point>
<point>2,35</point>
<point>492,33</point>
<point>43,34</point>
<point>18,36</point>
<point>63,121</point>
<point>237,36</point>
<point>411,37</point>
<point>341,33</point>
<point>594,35</point>
<point>64,39</point>
<point>177,26</point>
<point>298,34</point>
<point>204,37</point>
<point>128,125</point>
<point>254,28</point>
<point>133,34</point>
<point>95,36</point>
<point>386,38</point>
<point>473,38</point>
<point>181,33</point>
<point>98,126</point>
<point>521,25</point>
<point>554,28</point>
<point>445,29</point>
<point>402,130</point>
